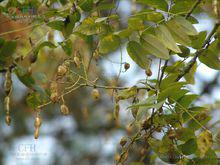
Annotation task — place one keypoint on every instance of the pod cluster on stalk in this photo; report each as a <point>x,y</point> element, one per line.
<point>8,91</point>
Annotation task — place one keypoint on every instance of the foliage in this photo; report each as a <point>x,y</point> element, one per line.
<point>158,31</point>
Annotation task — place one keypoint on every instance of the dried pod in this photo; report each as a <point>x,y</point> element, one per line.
<point>117,157</point>
<point>61,71</point>
<point>126,66</point>
<point>53,87</point>
<point>148,72</point>
<point>8,82</point>
<point>95,94</point>
<point>8,119</point>
<point>37,122</point>
<point>54,97</point>
<point>7,103</point>
<point>64,109</point>
<point>77,61</point>
<point>36,133</point>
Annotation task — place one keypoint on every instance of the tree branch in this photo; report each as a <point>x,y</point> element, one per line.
<point>200,51</point>
<point>193,8</point>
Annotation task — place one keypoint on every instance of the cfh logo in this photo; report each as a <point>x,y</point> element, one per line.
<point>26,10</point>
<point>26,148</point>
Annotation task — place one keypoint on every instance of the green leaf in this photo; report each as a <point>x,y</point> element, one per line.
<point>24,76</point>
<point>164,35</point>
<point>197,41</point>
<point>138,54</point>
<point>125,33</point>
<point>135,23</point>
<point>165,150</point>
<point>154,46</point>
<point>89,27</point>
<point>199,121</point>
<point>127,93</point>
<point>185,26</point>
<point>190,77</point>
<point>33,100</point>
<point>210,57</point>
<point>184,134</point>
<point>108,43</point>
<point>185,51</point>
<point>171,78</point>
<point>67,46</point>
<point>186,100</point>
<point>43,44</point>
<point>182,6</point>
<point>57,25</point>
<point>209,158</point>
<point>86,5</point>
<point>168,92</point>
<point>158,4</point>
<point>179,36</point>
<point>6,51</point>
<point>188,147</point>
<point>149,15</point>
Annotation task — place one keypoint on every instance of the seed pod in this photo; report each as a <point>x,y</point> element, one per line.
<point>117,157</point>
<point>148,72</point>
<point>64,109</point>
<point>95,94</point>
<point>126,66</point>
<point>54,97</point>
<point>77,61</point>
<point>53,87</point>
<point>37,122</point>
<point>36,133</point>
<point>7,104</point>
<point>8,120</point>
<point>8,82</point>
<point>123,141</point>
<point>61,71</point>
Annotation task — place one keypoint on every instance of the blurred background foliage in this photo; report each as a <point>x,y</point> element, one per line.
<point>89,135</point>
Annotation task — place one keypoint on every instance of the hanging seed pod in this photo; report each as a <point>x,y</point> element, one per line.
<point>64,109</point>
<point>117,157</point>
<point>95,94</point>
<point>8,82</point>
<point>36,133</point>
<point>54,87</point>
<point>148,72</point>
<point>77,61</point>
<point>61,71</point>
<point>7,103</point>
<point>126,66</point>
<point>8,120</point>
<point>37,125</point>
